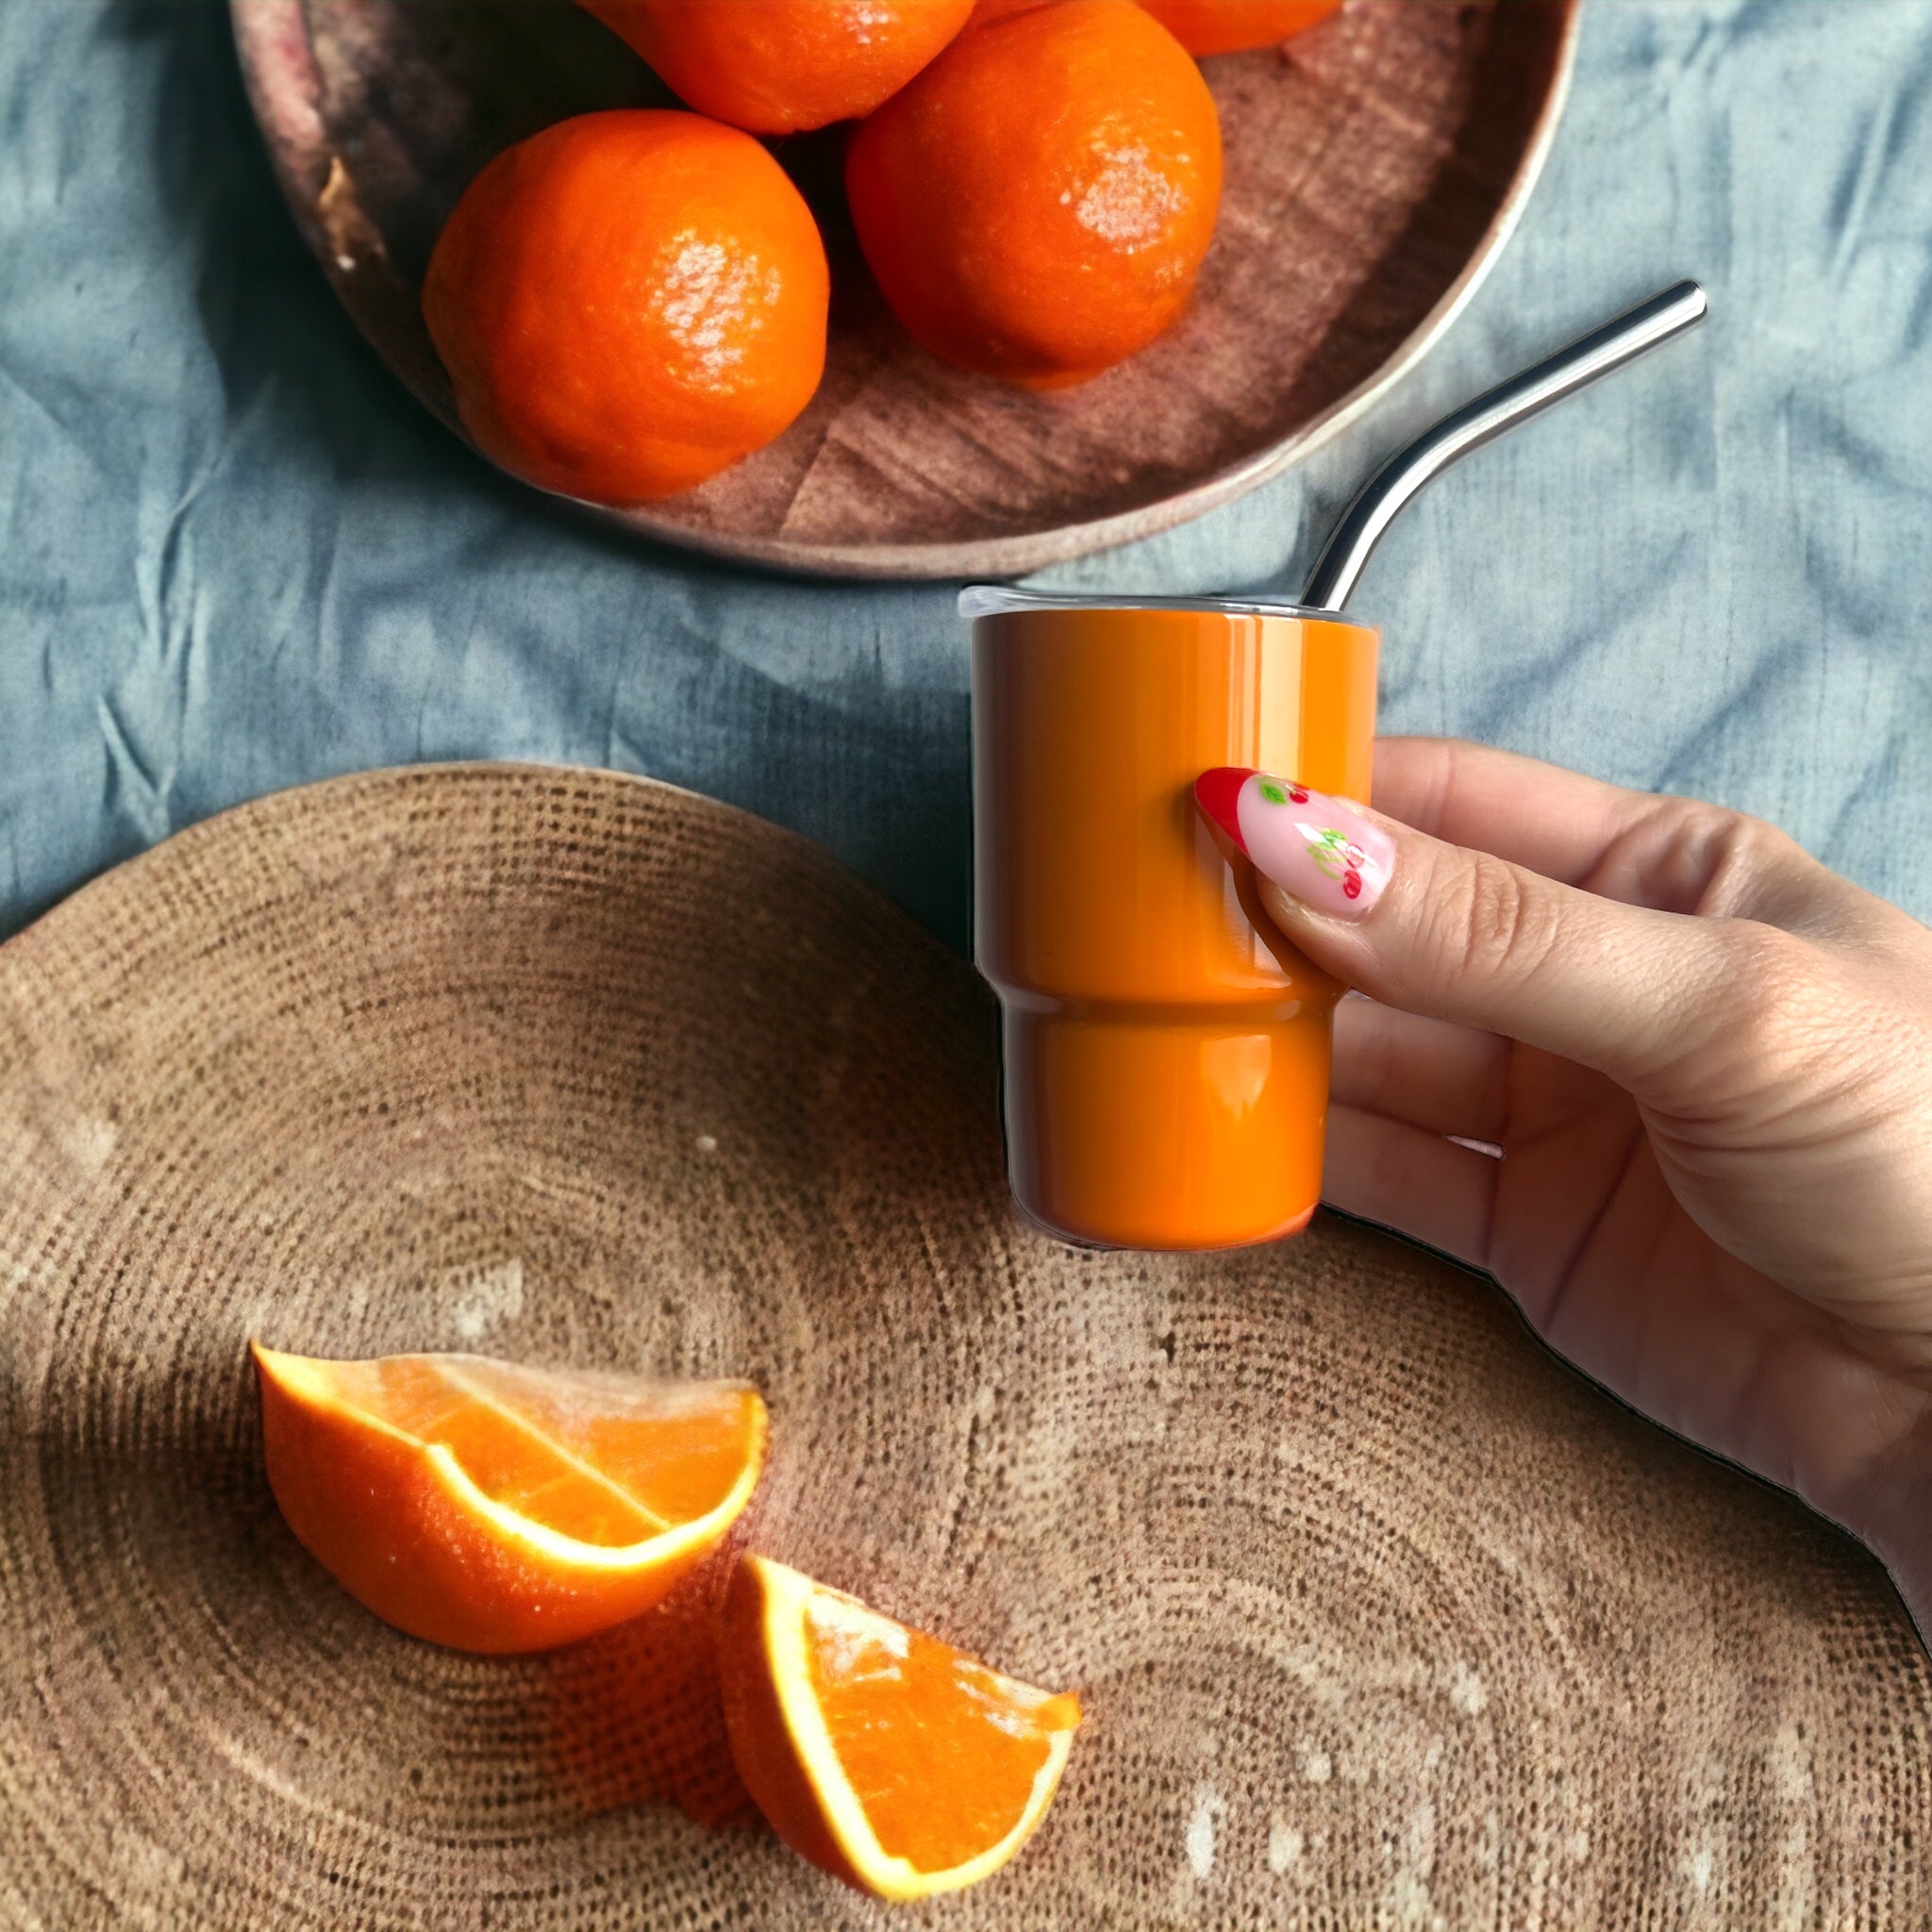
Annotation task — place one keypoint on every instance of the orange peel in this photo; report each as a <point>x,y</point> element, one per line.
<point>499,1508</point>
<point>886,1757</point>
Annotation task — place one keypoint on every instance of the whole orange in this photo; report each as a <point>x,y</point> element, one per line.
<point>1035,205</point>
<point>777,66</point>
<point>1227,27</point>
<point>628,301</point>
<point>1037,202</point>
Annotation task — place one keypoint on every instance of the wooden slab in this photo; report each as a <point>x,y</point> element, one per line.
<point>1374,167</point>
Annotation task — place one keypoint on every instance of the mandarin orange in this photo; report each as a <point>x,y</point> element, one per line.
<point>779,66</point>
<point>1228,27</point>
<point>500,1509</point>
<point>628,303</point>
<point>886,1757</point>
<point>1035,205</point>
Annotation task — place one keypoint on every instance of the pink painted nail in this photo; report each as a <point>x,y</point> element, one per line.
<point>1320,850</point>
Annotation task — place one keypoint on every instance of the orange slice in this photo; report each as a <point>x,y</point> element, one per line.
<point>889,1758</point>
<point>501,1508</point>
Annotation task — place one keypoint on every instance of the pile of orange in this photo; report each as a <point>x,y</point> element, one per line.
<point>631,301</point>
<point>501,1508</point>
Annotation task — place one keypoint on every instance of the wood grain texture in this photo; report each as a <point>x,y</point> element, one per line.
<point>1374,168</point>
<point>1381,1617</point>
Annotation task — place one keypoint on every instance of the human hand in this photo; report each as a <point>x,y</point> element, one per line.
<point>1706,1061</point>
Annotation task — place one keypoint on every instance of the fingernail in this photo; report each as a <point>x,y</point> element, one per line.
<point>1320,850</point>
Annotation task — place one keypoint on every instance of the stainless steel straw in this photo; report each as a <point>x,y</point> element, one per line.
<point>1516,401</point>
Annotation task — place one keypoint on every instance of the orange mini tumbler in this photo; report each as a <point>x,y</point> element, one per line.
<point>1165,1051</point>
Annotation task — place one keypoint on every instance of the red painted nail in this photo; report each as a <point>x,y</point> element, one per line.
<point>1217,793</point>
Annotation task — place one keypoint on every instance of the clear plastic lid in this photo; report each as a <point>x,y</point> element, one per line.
<point>995,600</point>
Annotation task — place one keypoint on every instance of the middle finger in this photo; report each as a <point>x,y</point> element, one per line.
<point>1430,1074</point>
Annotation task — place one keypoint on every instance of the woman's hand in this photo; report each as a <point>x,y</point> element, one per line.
<point>1706,1061</point>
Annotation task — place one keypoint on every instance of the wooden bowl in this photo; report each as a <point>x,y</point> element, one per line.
<point>1376,165</point>
<point>1381,1616</point>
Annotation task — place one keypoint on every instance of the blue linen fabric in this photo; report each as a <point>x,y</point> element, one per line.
<point>237,556</point>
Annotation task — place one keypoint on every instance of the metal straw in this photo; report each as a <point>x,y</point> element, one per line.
<point>1516,401</point>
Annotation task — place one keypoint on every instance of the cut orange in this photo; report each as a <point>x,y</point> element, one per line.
<point>888,1758</point>
<point>501,1508</point>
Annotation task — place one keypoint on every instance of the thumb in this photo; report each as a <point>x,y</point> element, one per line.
<point>1462,935</point>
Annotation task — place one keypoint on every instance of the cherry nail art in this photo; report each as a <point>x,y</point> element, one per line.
<point>1322,850</point>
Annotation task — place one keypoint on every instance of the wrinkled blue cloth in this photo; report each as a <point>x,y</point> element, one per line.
<point>237,556</point>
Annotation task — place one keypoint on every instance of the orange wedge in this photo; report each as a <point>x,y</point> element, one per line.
<point>501,1508</point>
<point>888,1758</point>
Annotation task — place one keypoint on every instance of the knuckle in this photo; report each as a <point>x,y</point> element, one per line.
<point>1743,853</point>
<point>1719,862</point>
<point>1681,854</point>
<point>1493,924</point>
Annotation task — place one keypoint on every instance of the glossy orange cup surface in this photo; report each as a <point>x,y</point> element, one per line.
<point>1166,1051</point>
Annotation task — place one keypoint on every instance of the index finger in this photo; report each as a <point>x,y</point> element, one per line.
<point>1555,822</point>
<point>1640,848</point>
